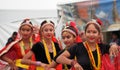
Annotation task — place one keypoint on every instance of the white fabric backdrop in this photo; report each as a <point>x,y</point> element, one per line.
<point>11,19</point>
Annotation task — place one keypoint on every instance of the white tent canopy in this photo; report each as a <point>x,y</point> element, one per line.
<point>12,12</point>
<point>11,19</point>
<point>114,27</point>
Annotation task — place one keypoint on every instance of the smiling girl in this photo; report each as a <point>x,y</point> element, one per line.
<point>14,52</point>
<point>88,53</point>
<point>46,49</point>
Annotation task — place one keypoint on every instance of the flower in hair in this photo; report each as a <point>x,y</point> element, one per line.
<point>95,21</point>
<point>71,23</point>
<point>99,21</point>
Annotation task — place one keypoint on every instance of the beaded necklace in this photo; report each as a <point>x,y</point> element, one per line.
<point>22,46</point>
<point>47,52</point>
<point>92,60</point>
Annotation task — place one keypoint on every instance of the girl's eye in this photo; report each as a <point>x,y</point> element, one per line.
<point>94,32</point>
<point>51,30</point>
<point>63,37</point>
<point>46,30</point>
<point>23,29</point>
<point>88,31</point>
<point>28,30</point>
<point>68,37</point>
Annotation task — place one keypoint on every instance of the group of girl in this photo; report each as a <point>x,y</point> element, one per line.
<point>44,53</point>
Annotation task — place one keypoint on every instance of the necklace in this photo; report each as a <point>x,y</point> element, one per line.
<point>92,60</point>
<point>47,52</point>
<point>22,46</point>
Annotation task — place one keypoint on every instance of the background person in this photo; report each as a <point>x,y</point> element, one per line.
<point>115,38</point>
<point>12,38</point>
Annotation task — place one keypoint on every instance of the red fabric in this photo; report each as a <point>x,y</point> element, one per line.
<point>73,24</point>
<point>54,39</point>
<point>106,63</point>
<point>5,47</point>
<point>36,37</point>
<point>18,51</point>
<point>15,53</point>
<point>99,21</point>
<point>117,62</point>
<point>78,39</point>
<point>11,54</point>
<point>32,67</point>
<point>58,67</point>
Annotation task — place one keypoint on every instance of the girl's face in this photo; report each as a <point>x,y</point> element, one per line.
<point>114,36</point>
<point>26,31</point>
<point>92,34</point>
<point>68,38</point>
<point>48,31</point>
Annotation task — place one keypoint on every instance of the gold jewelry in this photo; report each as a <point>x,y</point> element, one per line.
<point>47,52</point>
<point>22,46</point>
<point>92,60</point>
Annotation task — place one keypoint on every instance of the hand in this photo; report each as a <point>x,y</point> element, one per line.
<point>78,67</point>
<point>75,65</point>
<point>39,63</point>
<point>47,68</point>
<point>44,65</point>
<point>114,50</point>
<point>13,66</point>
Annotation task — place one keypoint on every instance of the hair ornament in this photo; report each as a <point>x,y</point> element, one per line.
<point>48,21</point>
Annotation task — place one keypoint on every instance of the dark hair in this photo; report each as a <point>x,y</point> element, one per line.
<point>96,26</point>
<point>14,33</point>
<point>45,21</point>
<point>25,20</point>
<point>72,28</point>
<point>116,34</point>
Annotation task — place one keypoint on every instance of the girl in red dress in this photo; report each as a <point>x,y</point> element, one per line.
<point>14,52</point>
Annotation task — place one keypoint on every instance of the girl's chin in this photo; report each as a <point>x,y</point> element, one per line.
<point>67,45</point>
<point>92,41</point>
<point>25,37</point>
<point>48,37</point>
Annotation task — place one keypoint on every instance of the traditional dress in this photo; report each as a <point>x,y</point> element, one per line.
<point>64,67</point>
<point>15,51</point>
<point>42,54</point>
<point>83,56</point>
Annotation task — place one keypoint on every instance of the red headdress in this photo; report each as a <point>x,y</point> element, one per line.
<point>73,24</point>
<point>99,21</point>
